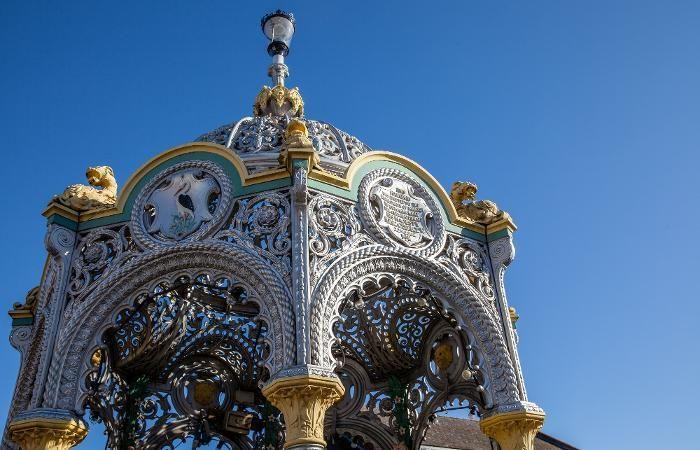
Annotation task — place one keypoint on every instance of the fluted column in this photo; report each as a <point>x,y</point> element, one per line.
<point>304,401</point>
<point>47,429</point>
<point>515,430</point>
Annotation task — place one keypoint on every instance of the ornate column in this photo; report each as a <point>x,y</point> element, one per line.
<point>514,430</point>
<point>47,429</point>
<point>302,392</point>
<point>300,157</point>
<point>304,401</point>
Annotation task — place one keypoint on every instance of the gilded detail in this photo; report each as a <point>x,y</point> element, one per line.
<point>28,308</point>
<point>485,212</point>
<point>304,400</point>
<point>80,197</point>
<point>513,431</point>
<point>47,434</point>
<point>279,101</point>
<point>296,135</point>
<point>443,355</point>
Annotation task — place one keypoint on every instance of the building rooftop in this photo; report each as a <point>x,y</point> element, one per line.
<point>451,433</point>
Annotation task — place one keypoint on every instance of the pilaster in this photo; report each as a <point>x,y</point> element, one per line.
<point>502,253</point>
<point>300,157</point>
<point>60,242</point>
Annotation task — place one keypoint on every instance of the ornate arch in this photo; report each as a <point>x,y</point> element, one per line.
<point>84,324</point>
<point>472,311</point>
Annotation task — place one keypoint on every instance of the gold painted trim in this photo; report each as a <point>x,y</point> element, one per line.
<point>303,380</point>
<point>503,224</point>
<point>60,210</point>
<point>206,147</point>
<point>382,155</point>
<point>45,423</point>
<point>344,182</point>
<point>20,314</point>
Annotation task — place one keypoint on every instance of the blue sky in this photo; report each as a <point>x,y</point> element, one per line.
<point>579,118</point>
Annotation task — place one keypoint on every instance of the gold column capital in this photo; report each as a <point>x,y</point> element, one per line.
<point>514,430</point>
<point>47,433</point>
<point>304,400</point>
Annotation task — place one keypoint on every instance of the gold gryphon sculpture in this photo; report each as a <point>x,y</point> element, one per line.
<point>279,101</point>
<point>486,212</point>
<point>80,197</point>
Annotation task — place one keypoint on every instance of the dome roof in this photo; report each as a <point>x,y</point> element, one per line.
<point>258,142</point>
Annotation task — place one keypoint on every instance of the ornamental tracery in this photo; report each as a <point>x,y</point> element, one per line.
<point>98,252</point>
<point>334,229</point>
<point>184,363</point>
<point>262,223</point>
<point>470,258</point>
<point>402,359</point>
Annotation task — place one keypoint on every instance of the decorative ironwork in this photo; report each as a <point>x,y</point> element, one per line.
<point>185,364</point>
<point>402,359</point>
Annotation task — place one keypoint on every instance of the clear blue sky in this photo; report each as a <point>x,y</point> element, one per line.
<point>579,118</point>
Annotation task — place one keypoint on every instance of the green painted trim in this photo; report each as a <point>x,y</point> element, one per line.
<point>62,221</point>
<point>239,190</point>
<point>374,165</point>
<point>22,321</point>
<point>498,234</point>
<point>300,163</point>
<point>229,169</point>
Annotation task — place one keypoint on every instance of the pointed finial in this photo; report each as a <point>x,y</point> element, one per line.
<point>279,28</point>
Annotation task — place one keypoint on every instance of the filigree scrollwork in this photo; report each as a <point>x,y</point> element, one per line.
<point>470,258</point>
<point>98,252</point>
<point>182,203</point>
<point>264,219</point>
<point>383,326</point>
<point>258,135</point>
<point>334,227</point>
<point>400,212</point>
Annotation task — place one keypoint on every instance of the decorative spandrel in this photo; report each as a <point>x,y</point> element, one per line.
<point>182,203</point>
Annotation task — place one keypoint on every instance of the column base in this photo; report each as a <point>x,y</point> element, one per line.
<point>303,401</point>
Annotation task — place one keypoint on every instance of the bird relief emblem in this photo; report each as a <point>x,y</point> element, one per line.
<point>402,214</point>
<point>181,204</point>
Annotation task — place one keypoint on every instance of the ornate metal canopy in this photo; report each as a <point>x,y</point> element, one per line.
<point>276,283</point>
